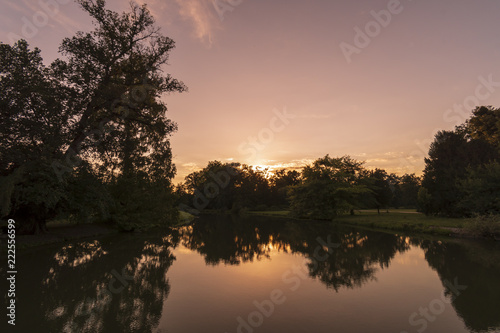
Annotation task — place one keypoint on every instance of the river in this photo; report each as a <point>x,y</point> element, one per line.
<point>258,274</point>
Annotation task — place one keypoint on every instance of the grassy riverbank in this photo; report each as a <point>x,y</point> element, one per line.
<point>410,220</point>
<point>405,221</point>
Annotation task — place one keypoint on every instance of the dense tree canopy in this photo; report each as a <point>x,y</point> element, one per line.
<point>484,124</point>
<point>89,126</point>
<point>329,187</point>
<point>33,118</point>
<point>326,188</point>
<point>458,166</point>
<point>381,192</point>
<point>279,182</point>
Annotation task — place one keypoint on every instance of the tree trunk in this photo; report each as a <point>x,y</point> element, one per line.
<point>75,145</point>
<point>128,148</point>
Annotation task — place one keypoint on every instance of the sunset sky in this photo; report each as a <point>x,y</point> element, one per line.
<point>283,82</point>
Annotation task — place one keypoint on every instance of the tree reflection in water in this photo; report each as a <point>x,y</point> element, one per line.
<point>475,265</point>
<point>232,240</point>
<point>361,253</point>
<point>119,284</point>
<point>115,286</point>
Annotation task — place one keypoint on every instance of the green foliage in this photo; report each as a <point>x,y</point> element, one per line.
<point>141,203</point>
<point>72,131</point>
<point>213,187</point>
<point>453,154</point>
<point>226,186</point>
<point>484,125</point>
<point>329,187</point>
<point>404,190</point>
<point>381,192</point>
<point>481,189</point>
<point>117,69</point>
<point>35,197</point>
<point>315,199</point>
<point>7,186</point>
<point>409,185</point>
<point>484,226</point>
<point>33,116</point>
<point>279,183</point>
<point>31,130</point>
<point>424,200</point>
<point>89,199</point>
<point>252,188</point>
<point>403,221</point>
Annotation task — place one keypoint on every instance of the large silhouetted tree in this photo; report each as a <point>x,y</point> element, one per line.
<point>97,109</point>
<point>212,187</point>
<point>380,196</point>
<point>329,187</point>
<point>453,157</point>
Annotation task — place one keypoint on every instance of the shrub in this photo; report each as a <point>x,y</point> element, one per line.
<point>487,226</point>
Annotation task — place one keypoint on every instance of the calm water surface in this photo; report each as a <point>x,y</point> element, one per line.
<point>227,274</point>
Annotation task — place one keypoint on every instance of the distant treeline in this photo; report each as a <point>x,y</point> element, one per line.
<point>461,178</point>
<point>328,187</point>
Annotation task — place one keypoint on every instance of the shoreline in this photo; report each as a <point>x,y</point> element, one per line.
<point>61,233</point>
<point>394,221</point>
<point>64,232</point>
<point>399,221</point>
